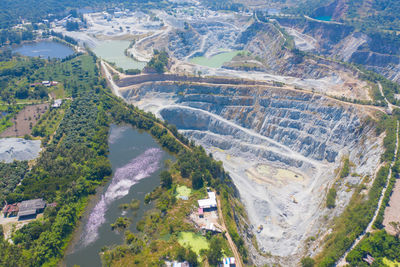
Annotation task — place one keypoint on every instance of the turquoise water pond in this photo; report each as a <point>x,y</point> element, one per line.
<point>215,61</point>
<point>113,51</point>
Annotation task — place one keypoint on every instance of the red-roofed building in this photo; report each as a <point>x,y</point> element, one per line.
<point>11,210</point>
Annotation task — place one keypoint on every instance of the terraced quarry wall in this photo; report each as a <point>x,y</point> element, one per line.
<point>281,147</point>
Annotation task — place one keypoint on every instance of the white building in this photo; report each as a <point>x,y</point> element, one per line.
<point>209,202</point>
<point>57,103</point>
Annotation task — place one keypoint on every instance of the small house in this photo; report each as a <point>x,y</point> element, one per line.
<point>369,259</point>
<point>46,83</point>
<point>11,210</point>
<point>211,227</point>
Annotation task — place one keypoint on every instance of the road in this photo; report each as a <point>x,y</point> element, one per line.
<point>238,259</point>
<point>113,85</point>
<point>342,260</point>
<point>390,105</point>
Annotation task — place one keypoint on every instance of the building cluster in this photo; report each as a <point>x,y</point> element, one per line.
<point>27,209</point>
<point>208,206</point>
<point>44,83</point>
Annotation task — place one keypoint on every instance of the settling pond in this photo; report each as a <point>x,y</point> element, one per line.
<point>113,51</point>
<point>44,49</point>
<point>215,61</point>
<point>137,161</point>
<point>324,18</point>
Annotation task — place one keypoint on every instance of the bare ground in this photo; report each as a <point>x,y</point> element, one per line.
<point>392,212</point>
<point>25,120</point>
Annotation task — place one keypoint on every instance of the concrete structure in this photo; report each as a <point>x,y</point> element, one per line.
<point>211,227</point>
<point>30,208</point>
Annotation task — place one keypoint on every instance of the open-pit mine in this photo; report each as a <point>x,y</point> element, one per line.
<point>270,115</point>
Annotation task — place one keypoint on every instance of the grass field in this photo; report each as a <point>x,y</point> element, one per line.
<point>391,263</point>
<point>183,191</point>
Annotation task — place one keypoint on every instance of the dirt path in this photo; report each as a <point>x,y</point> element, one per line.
<point>238,259</point>
<point>342,260</point>
<point>390,105</point>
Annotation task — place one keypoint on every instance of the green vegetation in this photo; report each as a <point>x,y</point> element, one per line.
<point>214,254</point>
<point>388,124</point>
<point>183,191</point>
<point>385,202</point>
<point>390,263</point>
<point>194,241</point>
<point>389,87</point>
<point>10,175</point>
<point>133,71</point>
<point>345,171</point>
<point>169,216</point>
<point>71,166</point>
<point>331,198</point>
<point>307,262</point>
<point>49,122</point>
<point>134,205</point>
<point>159,62</point>
<point>166,179</point>
<point>120,223</point>
<point>353,221</point>
<point>379,245</point>
<point>10,111</point>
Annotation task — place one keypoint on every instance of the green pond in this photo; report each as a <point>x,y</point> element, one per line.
<point>215,61</point>
<point>113,51</point>
<point>195,241</point>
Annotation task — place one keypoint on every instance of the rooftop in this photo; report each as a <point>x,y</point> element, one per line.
<point>33,204</point>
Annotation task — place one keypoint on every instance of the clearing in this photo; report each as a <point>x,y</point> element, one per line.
<point>392,212</point>
<point>24,121</point>
<point>183,191</point>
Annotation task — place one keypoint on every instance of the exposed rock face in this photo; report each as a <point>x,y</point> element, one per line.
<point>180,42</point>
<point>280,146</point>
<point>267,44</point>
<point>374,51</point>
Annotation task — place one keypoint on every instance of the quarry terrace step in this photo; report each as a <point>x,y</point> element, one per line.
<point>154,77</point>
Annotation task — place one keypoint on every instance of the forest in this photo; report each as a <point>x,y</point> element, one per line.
<point>10,175</point>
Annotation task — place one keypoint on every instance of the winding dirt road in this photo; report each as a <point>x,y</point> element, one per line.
<point>238,259</point>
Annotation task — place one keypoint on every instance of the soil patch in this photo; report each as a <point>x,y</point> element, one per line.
<point>392,212</point>
<point>24,121</point>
